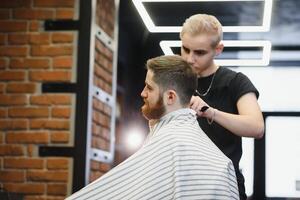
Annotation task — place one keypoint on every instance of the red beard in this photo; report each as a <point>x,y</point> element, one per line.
<point>154,112</point>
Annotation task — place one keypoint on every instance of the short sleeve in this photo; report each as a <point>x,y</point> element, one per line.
<point>241,85</point>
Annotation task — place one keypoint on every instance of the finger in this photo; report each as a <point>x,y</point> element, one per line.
<point>193,100</point>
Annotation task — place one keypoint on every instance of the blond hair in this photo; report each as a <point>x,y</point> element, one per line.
<point>203,24</point>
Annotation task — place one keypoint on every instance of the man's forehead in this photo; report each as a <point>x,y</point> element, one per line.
<point>149,78</point>
<point>197,42</point>
<point>149,74</point>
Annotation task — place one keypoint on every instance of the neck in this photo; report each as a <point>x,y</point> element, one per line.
<point>174,107</point>
<point>209,71</point>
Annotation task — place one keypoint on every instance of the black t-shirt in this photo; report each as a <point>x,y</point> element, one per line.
<point>227,87</point>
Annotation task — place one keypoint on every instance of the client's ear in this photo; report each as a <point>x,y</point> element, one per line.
<point>171,97</point>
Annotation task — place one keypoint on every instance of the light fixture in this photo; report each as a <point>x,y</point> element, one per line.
<point>264,61</point>
<point>175,29</point>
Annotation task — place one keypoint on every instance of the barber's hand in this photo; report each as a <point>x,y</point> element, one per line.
<point>198,105</point>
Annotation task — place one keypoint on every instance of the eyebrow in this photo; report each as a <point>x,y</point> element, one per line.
<point>184,47</point>
<point>196,50</point>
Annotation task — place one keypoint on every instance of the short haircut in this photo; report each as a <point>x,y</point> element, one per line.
<point>203,24</point>
<point>172,72</point>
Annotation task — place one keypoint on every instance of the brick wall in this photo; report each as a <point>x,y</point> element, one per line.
<point>103,79</point>
<point>30,56</point>
<point>29,118</point>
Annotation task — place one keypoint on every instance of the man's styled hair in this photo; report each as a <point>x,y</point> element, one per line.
<point>172,72</point>
<point>203,24</point>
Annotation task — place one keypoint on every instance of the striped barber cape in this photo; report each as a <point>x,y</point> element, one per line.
<point>177,161</point>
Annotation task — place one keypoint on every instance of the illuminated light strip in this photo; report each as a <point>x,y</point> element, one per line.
<point>278,55</point>
<point>265,27</point>
<point>264,61</point>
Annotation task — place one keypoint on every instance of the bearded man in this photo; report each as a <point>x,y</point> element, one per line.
<point>177,160</point>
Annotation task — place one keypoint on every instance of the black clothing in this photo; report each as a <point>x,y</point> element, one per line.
<point>227,87</point>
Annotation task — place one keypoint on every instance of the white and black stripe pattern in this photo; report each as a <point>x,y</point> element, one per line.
<point>178,161</point>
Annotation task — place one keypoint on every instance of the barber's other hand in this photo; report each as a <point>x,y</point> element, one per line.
<point>197,104</point>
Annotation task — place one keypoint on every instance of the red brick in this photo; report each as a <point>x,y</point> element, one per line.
<point>12,76</point>
<point>12,176</point>
<point>45,176</point>
<point>61,112</point>
<point>95,165</point>
<point>96,129</point>
<point>60,137</point>
<point>26,188</point>
<point>23,163</point>
<point>13,26</point>
<point>32,150</point>
<point>14,99</point>
<point>101,132</point>
<point>62,62</point>
<point>3,112</point>
<point>35,25</point>
<point>62,37</point>
<point>28,112</point>
<point>98,82</point>
<point>57,189</point>
<point>46,50</point>
<point>103,61</point>
<point>50,124</point>
<point>11,150</point>
<point>50,100</point>
<point>50,76</point>
<point>13,51</point>
<point>2,87</point>
<point>13,124</point>
<point>64,14</point>
<point>57,163</point>
<point>28,137</point>
<point>17,63</point>
<point>18,38</point>
<point>14,3</point>
<point>100,72</point>
<point>3,38</point>
<point>40,38</point>
<point>34,63</point>
<point>4,14</point>
<point>104,50</point>
<point>1,141</point>
<point>95,175</point>
<point>100,143</point>
<point>3,63</point>
<point>101,119</point>
<point>54,3</point>
<point>107,88</point>
<point>107,110</point>
<point>39,197</point>
<point>20,88</point>
<point>32,14</point>
<point>98,105</point>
